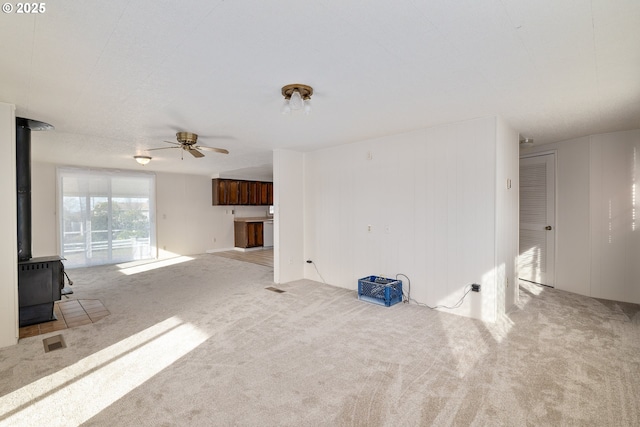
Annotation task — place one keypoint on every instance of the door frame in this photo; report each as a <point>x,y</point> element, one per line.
<point>553,152</point>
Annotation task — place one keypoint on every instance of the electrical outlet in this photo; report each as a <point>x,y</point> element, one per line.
<point>369,228</point>
<point>475,287</point>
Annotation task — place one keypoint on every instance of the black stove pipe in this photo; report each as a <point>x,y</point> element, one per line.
<point>23,181</point>
<point>23,178</point>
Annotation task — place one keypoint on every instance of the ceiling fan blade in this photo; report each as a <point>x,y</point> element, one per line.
<point>161,148</point>
<point>195,153</point>
<point>217,150</point>
<point>172,142</point>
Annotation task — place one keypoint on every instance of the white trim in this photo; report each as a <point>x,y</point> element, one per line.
<point>213,251</point>
<point>255,248</point>
<point>539,153</point>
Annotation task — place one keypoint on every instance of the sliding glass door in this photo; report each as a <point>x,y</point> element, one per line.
<point>106,216</point>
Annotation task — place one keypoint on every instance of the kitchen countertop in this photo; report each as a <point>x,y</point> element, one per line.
<point>254,219</point>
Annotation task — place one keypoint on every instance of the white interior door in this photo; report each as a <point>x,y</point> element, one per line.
<point>536,262</point>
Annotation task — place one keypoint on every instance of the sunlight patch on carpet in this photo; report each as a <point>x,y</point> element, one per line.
<point>73,395</point>
<point>154,265</point>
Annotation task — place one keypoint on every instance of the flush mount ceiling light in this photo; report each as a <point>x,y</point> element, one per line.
<point>526,142</point>
<point>143,160</point>
<point>297,97</point>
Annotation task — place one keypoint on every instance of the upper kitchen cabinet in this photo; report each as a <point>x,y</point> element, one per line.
<point>220,192</point>
<point>266,193</point>
<point>226,192</point>
<point>241,192</point>
<point>254,192</point>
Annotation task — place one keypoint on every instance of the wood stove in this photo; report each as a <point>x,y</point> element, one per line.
<point>40,283</point>
<point>40,280</point>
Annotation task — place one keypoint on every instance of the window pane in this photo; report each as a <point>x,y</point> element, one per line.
<point>73,229</point>
<point>98,245</point>
<point>131,228</point>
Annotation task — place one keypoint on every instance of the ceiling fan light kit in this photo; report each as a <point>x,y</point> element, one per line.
<point>297,97</point>
<point>143,160</point>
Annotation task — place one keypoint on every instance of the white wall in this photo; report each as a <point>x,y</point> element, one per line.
<point>288,230</point>
<point>430,199</point>
<point>44,206</point>
<point>507,214</point>
<point>8,233</point>
<point>615,216</point>
<point>591,171</point>
<point>186,222</point>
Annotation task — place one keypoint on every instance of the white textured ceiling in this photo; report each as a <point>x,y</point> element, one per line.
<point>118,77</point>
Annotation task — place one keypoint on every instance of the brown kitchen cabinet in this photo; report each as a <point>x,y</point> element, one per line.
<point>241,192</point>
<point>266,193</point>
<point>233,188</point>
<point>248,234</point>
<point>245,191</point>
<point>220,192</point>
<point>226,192</point>
<point>254,192</point>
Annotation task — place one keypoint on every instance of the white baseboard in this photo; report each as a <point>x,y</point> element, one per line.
<point>258,248</point>
<point>211,251</point>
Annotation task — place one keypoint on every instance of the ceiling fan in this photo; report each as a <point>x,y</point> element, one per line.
<point>187,141</point>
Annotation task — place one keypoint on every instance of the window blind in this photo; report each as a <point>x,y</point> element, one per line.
<point>106,216</point>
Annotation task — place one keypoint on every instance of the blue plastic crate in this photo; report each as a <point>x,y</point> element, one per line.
<point>380,290</point>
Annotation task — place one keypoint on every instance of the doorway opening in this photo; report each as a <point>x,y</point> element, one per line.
<point>536,260</point>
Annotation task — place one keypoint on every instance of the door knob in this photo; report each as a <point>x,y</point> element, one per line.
<point>548,227</point>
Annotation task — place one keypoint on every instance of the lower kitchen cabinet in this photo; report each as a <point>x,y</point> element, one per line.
<point>248,234</point>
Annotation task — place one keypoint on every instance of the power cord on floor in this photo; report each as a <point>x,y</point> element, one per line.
<point>317,271</point>
<point>407,298</point>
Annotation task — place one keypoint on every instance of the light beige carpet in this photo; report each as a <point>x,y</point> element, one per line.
<point>203,343</point>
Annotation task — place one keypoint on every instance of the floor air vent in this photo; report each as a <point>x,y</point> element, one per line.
<point>272,289</point>
<point>53,343</point>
